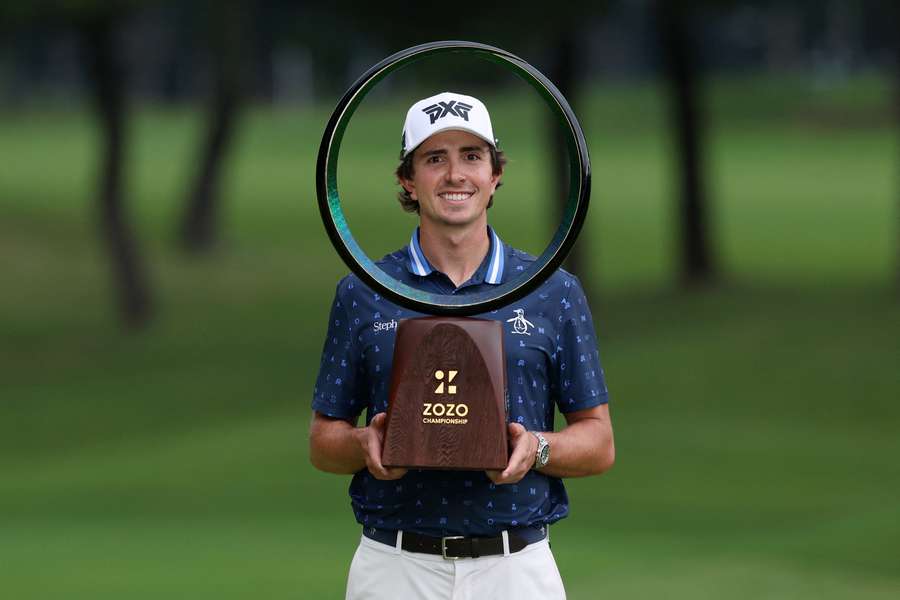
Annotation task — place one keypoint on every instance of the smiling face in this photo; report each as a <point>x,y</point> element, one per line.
<point>452,180</point>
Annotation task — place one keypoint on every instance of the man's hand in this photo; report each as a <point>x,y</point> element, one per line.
<point>524,448</point>
<point>371,439</point>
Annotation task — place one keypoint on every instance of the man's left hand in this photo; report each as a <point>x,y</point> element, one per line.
<point>524,448</point>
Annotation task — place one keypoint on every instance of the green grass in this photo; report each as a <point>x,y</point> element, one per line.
<point>755,420</point>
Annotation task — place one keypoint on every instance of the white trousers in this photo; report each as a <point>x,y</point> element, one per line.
<point>382,572</point>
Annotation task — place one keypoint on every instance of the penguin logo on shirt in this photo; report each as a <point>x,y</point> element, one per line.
<point>520,323</point>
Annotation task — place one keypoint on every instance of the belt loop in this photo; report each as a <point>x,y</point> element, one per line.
<point>399,540</point>
<point>505,535</point>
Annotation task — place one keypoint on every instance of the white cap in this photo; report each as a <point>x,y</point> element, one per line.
<point>447,110</point>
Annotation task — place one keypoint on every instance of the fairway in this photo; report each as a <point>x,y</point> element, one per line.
<point>756,421</point>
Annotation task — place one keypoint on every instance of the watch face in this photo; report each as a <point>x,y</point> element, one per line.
<point>545,454</point>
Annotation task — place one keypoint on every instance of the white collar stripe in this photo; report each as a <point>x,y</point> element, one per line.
<point>495,267</point>
<point>501,255</point>
<point>416,261</point>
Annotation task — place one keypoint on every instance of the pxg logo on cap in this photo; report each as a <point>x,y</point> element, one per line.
<point>446,111</point>
<point>442,109</point>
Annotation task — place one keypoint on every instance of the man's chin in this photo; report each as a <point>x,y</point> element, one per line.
<point>458,220</point>
<point>455,216</point>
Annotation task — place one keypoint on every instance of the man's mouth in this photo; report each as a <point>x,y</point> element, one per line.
<point>456,196</point>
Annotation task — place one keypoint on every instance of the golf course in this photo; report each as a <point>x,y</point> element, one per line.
<point>756,417</point>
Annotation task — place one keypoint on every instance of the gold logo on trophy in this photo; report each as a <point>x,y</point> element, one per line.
<point>439,409</point>
<point>451,375</point>
<point>445,413</point>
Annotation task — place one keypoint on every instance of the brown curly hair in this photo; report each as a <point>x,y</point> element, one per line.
<point>405,171</point>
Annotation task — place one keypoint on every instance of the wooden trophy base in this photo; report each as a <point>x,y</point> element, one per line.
<point>447,405</point>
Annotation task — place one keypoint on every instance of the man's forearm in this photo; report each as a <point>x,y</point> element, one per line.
<point>584,447</point>
<point>334,445</point>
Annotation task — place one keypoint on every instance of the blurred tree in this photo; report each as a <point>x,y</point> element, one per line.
<point>227,34</point>
<point>893,11</point>
<point>96,22</point>
<point>560,45</point>
<point>697,264</point>
<point>107,84</point>
<point>563,70</point>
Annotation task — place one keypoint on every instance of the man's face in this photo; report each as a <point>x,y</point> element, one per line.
<point>452,178</point>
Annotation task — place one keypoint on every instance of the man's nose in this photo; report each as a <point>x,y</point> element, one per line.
<point>455,172</point>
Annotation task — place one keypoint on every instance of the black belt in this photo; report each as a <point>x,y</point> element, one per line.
<point>457,546</point>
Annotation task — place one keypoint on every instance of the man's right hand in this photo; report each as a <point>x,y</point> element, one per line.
<point>371,439</point>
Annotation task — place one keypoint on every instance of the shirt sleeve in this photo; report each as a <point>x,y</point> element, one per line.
<point>582,383</point>
<point>336,393</point>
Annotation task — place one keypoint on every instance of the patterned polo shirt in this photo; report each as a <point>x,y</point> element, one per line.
<point>551,360</point>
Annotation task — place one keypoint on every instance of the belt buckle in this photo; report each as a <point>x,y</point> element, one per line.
<point>444,546</point>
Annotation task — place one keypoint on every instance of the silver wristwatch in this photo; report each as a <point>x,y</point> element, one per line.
<point>542,456</point>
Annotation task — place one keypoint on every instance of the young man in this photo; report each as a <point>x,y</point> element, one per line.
<point>412,520</point>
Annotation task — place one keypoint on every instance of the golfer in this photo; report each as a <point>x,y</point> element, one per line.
<point>461,534</point>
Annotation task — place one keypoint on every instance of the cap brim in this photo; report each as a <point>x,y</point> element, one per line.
<point>452,127</point>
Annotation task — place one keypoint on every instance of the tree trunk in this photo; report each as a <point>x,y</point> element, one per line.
<point>199,227</point>
<point>107,84</point>
<point>563,73</point>
<point>895,13</point>
<point>697,263</point>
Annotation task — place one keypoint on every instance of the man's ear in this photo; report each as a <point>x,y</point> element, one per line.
<point>495,180</point>
<point>410,187</point>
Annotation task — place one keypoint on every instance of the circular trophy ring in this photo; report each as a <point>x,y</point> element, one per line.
<point>445,304</point>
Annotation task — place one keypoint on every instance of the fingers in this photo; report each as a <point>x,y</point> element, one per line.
<point>515,430</point>
<point>379,471</point>
<point>521,459</point>
<point>519,465</point>
<point>494,476</point>
<point>513,473</point>
<point>374,442</point>
<point>377,423</point>
<point>522,448</point>
<point>383,473</point>
<point>394,472</point>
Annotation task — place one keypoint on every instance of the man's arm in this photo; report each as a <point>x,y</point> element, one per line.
<point>583,447</point>
<point>339,446</point>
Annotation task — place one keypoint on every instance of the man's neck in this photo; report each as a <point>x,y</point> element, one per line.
<point>455,251</point>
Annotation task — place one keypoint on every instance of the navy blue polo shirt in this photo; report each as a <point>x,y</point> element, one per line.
<point>551,359</point>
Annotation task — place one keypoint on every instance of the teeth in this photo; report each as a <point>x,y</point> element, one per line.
<point>456,197</point>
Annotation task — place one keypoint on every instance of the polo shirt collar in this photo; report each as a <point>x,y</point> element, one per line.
<point>496,258</point>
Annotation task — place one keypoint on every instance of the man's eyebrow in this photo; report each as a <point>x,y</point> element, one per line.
<point>443,151</point>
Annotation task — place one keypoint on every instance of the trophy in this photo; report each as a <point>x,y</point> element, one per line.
<point>447,405</point>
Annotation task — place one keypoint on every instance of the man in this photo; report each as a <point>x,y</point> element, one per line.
<point>449,172</point>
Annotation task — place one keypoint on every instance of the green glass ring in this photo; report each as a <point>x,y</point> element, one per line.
<point>444,304</point>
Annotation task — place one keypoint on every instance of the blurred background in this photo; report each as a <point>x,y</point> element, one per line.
<point>166,282</point>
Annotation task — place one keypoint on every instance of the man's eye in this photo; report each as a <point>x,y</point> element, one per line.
<point>434,159</point>
<point>473,156</point>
